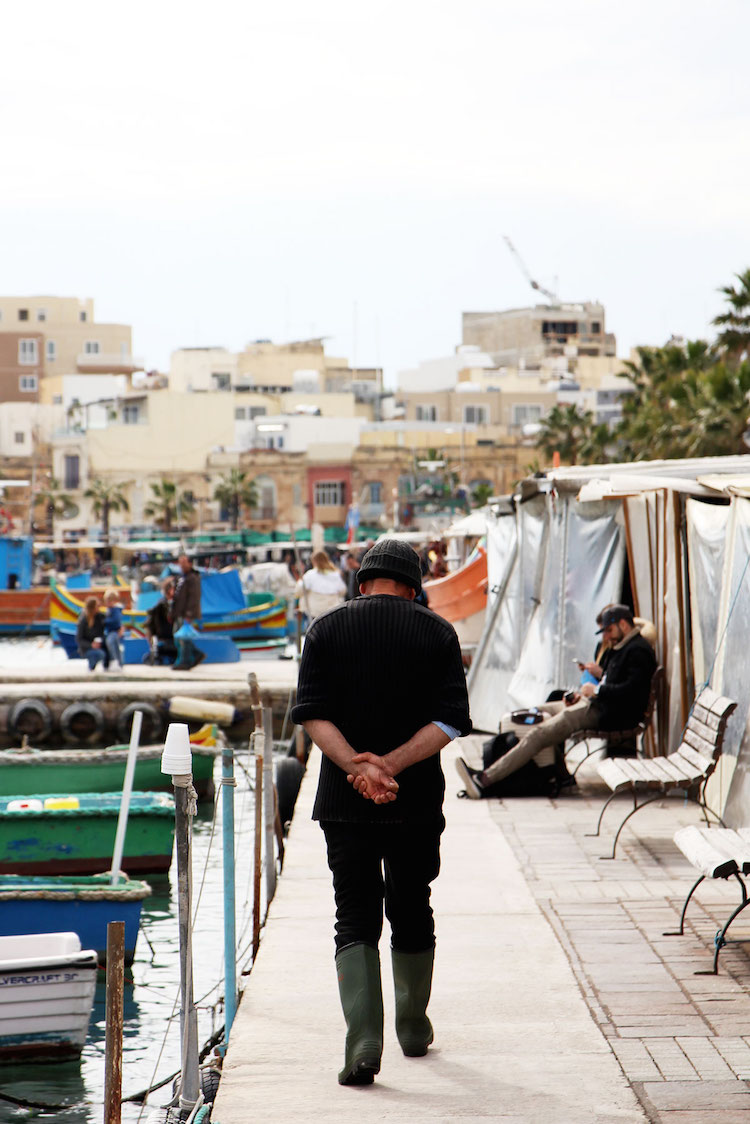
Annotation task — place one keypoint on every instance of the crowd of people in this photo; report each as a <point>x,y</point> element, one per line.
<point>169,625</point>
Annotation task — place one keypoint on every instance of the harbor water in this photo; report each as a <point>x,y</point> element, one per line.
<point>74,1092</point>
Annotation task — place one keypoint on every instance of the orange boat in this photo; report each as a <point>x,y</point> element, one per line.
<point>25,612</point>
<point>461,597</point>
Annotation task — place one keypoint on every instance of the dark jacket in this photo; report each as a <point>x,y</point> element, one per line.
<point>187,597</point>
<point>380,668</point>
<point>158,620</point>
<point>626,685</point>
<point>86,633</point>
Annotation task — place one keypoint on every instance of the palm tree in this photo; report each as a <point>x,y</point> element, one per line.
<point>734,339</point>
<point>167,504</point>
<point>567,430</point>
<point>234,491</point>
<point>55,503</point>
<point>106,496</point>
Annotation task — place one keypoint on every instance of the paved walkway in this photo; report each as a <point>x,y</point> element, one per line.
<point>512,1007</point>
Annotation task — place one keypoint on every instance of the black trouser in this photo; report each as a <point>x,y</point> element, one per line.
<point>395,862</point>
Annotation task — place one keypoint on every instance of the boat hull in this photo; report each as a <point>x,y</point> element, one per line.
<point>461,598</point>
<point>45,1003</point>
<point>63,770</point>
<point>81,841</point>
<point>26,612</point>
<point>26,906</point>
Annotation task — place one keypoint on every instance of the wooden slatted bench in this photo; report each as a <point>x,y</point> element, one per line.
<point>715,852</point>
<point>686,770</point>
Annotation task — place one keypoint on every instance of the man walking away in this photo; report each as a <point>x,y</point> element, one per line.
<point>381,690</point>
<point>186,608</point>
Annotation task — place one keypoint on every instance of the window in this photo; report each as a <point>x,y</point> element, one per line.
<point>476,415</point>
<point>27,383</point>
<point>265,490</point>
<point>82,317</point>
<point>375,489</point>
<point>559,327</point>
<point>256,412</point>
<point>130,414</point>
<point>71,471</point>
<point>595,327</point>
<point>426,413</point>
<point>41,314</point>
<point>51,348</point>
<point>296,495</point>
<point>240,413</point>
<point>19,437</point>
<point>330,493</point>
<point>221,380</point>
<point>523,414</point>
<point>23,314</point>
<point>28,353</point>
<point>91,347</point>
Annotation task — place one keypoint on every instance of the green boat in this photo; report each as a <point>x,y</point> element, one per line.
<point>75,834</point>
<point>45,771</point>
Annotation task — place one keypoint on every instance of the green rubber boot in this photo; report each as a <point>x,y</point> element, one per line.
<point>361,995</point>
<point>412,980</point>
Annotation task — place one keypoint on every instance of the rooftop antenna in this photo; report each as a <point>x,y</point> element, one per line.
<point>551,297</point>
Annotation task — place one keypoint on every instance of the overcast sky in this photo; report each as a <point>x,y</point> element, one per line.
<point>216,173</point>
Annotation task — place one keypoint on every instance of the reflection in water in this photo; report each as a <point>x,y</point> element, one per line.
<point>151,1000</point>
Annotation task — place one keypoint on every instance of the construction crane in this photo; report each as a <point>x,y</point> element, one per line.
<point>552,297</point>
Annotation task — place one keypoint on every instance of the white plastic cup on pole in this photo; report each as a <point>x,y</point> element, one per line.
<point>127,791</point>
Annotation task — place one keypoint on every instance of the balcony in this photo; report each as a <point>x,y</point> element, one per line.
<point>108,363</point>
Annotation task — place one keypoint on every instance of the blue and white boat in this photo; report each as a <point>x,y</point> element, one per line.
<point>83,905</point>
<point>47,985</point>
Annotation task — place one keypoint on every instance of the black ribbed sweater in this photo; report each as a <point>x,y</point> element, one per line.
<point>380,668</point>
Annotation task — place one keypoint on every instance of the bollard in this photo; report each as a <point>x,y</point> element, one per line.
<point>114,1020</point>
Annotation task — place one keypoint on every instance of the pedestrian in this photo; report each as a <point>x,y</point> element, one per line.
<point>113,627</point>
<point>320,588</point>
<point>186,609</point>
<point>349,574</point>
<point>162,647</point>
<point>90,634</point>
<point>381,690</point>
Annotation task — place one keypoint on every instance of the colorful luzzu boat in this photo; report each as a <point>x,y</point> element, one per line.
<point>226,613</point>
<point>82,904</point>
<point>64,834</point>
<point>47,985</point>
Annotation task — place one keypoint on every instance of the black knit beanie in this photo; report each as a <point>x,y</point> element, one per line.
<point>391,558</point>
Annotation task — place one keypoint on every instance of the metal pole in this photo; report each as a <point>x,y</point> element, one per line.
<point>190,1079</point>
<point>257,851</point>
<point>230,944</point>
<point>127,791</point>
<point>114,1020</point>
<point>268,805</point>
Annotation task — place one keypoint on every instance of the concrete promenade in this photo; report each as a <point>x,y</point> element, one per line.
<point>518,1033</point>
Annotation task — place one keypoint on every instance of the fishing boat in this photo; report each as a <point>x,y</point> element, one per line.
<point>47,984</point>
<point>75,834</point>
<point>461,597</point>
<point>46,771</point>
<point>83,904</point>
<point>226,611</point>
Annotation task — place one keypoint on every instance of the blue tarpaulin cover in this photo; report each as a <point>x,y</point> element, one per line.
<point>221,594</point>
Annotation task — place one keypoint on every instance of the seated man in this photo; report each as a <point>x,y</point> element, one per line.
<point>617,702</point>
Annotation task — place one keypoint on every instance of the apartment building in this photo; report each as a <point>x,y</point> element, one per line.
<point>21,365</point>
<point>524,337</point>
<point>70,339</point>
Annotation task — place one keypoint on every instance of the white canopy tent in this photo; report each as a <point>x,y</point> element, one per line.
<point>670,537</point>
